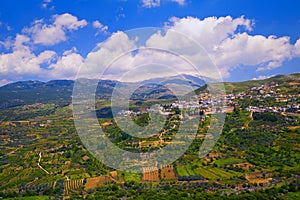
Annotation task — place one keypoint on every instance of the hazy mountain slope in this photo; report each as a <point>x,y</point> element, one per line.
<point>60,91</point>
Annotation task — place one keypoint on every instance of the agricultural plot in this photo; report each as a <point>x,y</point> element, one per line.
<point>185,170</point>
<point>150,174</point>
<point>213,174</point>
<point>131,177</point>
<point>228,161</point>
<point>167,173</point>
<point>181,171</point>
<point>12,177</point>
<point>185,173</point>
<point>72,185</point>
<point>92,183</point>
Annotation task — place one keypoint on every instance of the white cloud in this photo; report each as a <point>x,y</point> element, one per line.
<point>262,77</point>
<point>180,2</point>
<point>97,61</point>
<point>22,61</point>
<point>228,42</point>
<point>243,49</point>
<point>100,27</point>
<point>210,31</point>
<point>156,3</point>
<point>7,44</point>
<point>116,61</point>
<point>51,34</point>
<point>46,3</point>
<point>297,48</point>
<point>150,3</point>
<point>66,66</point>
<point>68,21</point>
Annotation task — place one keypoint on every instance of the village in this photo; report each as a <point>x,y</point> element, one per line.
<point>287,103</point>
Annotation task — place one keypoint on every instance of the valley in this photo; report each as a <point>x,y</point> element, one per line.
<point>256,156</point>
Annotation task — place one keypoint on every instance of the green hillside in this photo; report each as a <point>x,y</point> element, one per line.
<point>257,155</point>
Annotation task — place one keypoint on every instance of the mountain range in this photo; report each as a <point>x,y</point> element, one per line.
<point>60,91</point>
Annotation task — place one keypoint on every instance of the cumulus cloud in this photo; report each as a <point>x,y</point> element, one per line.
<point>297,48</point>
<point>97,61</point>
<point>118,57</point>
<point>226,41</point>
<point>22,61</point>
<point>51,34</point>
<point>229,43</point>
<point>243,49</point>
<point>66,66</point>
<point>100,27</point>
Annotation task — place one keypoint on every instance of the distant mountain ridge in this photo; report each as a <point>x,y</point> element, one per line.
<point>183,79</point>
<point>60,91</point>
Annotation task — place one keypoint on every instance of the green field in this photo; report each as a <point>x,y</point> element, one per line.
<point>185,170</point>
<point>131,177</point>
<point>209,172</point>
<point>228,161</point>
<point>293,195</point>
<point>215,173</point>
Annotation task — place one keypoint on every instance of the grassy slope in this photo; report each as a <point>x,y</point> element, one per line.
<point>236,87</point>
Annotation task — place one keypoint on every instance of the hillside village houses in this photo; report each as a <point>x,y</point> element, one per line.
<point>226,103</point>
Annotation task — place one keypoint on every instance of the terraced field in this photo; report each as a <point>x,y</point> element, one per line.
<point>228,161</point>
<point>213,174</point>
<point>92,183</point>
<point>185,170</point>
<point>72,185</point>
<point>167,173</point>
<point>150,174</point>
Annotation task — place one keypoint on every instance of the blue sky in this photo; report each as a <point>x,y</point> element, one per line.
<point>78,25</point>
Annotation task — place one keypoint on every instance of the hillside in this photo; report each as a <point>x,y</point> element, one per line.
<point>257,155</point>
<point>59,92</point>
<point>236,87</point>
